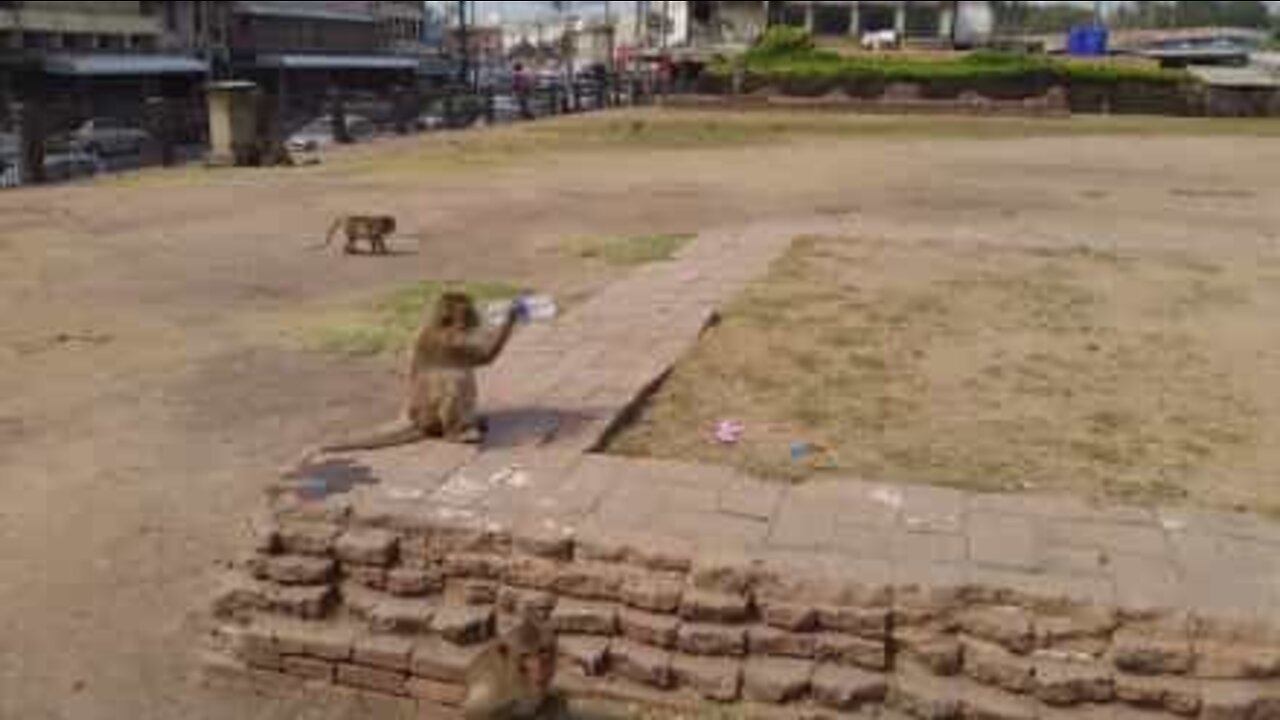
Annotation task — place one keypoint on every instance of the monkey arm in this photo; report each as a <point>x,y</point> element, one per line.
<point>481,347</point>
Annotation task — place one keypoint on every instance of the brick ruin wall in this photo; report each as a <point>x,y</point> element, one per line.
<point>331,598</point>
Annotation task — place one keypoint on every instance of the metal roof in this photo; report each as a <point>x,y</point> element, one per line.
<point>109,64</point>
<point>347,11</point>
<point>338,62</point>
<point>1251,76</point>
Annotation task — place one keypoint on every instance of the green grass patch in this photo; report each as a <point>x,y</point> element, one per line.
<point>389,323</point>
<point>630,251</point>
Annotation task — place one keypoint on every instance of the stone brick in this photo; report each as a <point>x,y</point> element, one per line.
<point>991,664</point>
<point>772,680</point>
<point>303,538</point>
<point>408,582</point>
<point>383,651</point>
<point>526,603</point>
<point>789,616</point>
<point>923,696</point>
<point>722,576</point>
<point>376,679</point>
<point>843,688</point>
<point>640,663</point>
<point>321,640</point>
<point>1179,697</point>
<point>589,655</point>
<point>401,615</point>
<point>576,617</point>
<point>434,691</point>
<point>463,624</point>
<point>1083,629</point>
<point>1142,652</point>
<point>872,623</point>
<point>478,592</point>
<point>940,652</point>
<point>765,640</point>
<point>309,668</point>
<point>1246,700</point>
<point>549,544</point>
<point>242,596</point>
<point>846,650</point>
<point>1005,541</point>
<point>702,606</point>
<point>709,639</point>
<point>265,533</point>
<point>446,539</point>
<point>1005,625</point>
<point>589,581</point>
<point>1237,660</point>
<point>307,602</point>
<point>255,646</point>
<point>489,567</point>
<point>443,661</point>
<point>374,578</point>
<point>292,569</point>
<point>649,628</point>
<point>652,593</point>
<point>1067,683</point>
<point>366,547</point>
<point>713,679</point>
<point>982,703</point>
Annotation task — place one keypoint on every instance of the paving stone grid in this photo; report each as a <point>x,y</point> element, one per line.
<point>670,575</point>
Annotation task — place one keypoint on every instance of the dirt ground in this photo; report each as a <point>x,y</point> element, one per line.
<point>149,383</point>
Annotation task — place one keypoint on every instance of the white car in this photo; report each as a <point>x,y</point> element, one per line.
<point>318,133</point>
<point>108,136</point>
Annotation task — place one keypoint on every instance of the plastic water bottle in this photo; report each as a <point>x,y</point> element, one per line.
<point>536,307</point>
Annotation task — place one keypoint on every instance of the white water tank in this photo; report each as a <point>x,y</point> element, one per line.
<point>975,23</point>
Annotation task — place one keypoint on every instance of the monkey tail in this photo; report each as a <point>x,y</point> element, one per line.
<point>333,230</point>
<point>401,432</point>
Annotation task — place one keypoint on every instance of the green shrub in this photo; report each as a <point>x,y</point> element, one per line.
<point>782,41</point>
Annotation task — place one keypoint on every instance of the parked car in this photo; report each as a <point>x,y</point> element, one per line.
<point>71,164</point>
<point>318,133</point>
<point>108,136</point>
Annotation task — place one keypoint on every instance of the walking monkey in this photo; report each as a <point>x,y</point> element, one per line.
<point>372,229</point>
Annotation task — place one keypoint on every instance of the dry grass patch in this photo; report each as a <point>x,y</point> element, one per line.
<point>388,324</point>
<point>1142,377</point>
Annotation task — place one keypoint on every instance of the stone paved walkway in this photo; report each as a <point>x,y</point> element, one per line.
<point>563,384</point>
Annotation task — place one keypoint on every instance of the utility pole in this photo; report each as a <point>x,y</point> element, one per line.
<point>464,69</point>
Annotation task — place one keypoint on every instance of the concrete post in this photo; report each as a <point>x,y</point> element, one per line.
<point>900,21</point>
<point>808,17</point>
<point>946,22</point>
<point>855,21</point>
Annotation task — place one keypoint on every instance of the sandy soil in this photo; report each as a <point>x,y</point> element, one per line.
<point>147,388</point>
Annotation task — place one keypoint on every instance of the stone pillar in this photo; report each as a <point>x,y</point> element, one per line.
<point>233,122</point>
<point>900,21</point>
<point>855,19</point>
<point>946,21</point>
<point>808,17</point>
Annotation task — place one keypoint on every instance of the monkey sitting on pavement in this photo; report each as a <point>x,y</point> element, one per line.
<point>372,229</point>
<point>512,679</point>
<point>442,391</point>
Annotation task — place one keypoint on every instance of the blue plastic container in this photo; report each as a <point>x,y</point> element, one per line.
<point>1087,41</point>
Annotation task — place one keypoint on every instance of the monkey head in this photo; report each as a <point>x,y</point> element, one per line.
<point>456,311</point>
<point>532,650</point>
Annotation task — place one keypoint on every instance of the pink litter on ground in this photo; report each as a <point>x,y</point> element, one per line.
<point>729,431</point>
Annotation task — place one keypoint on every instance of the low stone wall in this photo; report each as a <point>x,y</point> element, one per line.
<point>394,587</point>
